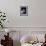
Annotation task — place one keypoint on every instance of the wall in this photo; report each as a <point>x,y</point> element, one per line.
<point>12,9</point>
<point>36,13</point>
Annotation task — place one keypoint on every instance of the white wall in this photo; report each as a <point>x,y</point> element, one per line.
<point>36,13</point>
<point>36,19</point>
<point>39,13</point>
<point>12,8</point>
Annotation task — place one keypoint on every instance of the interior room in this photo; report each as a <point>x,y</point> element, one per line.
<point>22,22</point>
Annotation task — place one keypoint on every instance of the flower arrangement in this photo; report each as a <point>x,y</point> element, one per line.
<point>2,19</point>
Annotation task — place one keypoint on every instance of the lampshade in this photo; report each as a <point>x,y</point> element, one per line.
<point>7,30</point>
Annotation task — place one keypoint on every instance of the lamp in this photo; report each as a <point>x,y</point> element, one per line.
<point>7,31</point>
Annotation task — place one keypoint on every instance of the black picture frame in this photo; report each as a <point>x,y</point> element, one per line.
<point>23,11</point>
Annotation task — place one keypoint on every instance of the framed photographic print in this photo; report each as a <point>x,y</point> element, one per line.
<point>23,11</point>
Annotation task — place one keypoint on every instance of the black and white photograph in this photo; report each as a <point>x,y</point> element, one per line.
<point>23,11</point>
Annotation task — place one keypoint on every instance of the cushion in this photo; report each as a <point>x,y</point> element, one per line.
<point>26,39</point>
